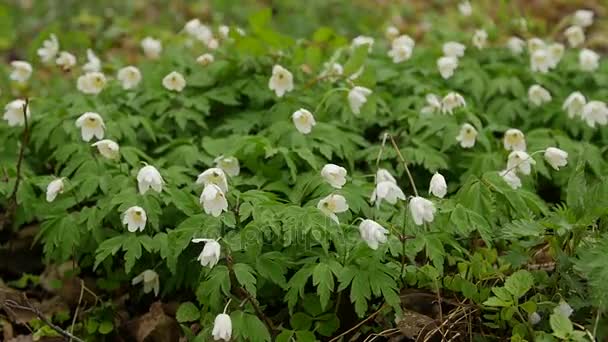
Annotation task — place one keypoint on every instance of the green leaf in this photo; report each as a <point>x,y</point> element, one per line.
<point>323,279</point>
<point>187,312</point>
<point>244,275</point>
<point>519,283</point>
<point>356,60</point>
<point>300,321</point>
<point>561,325</point>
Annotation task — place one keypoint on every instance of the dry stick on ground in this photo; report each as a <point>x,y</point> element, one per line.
<point>77,307</point>
<point>358,325</point>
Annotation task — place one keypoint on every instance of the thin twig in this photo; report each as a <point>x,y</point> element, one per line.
<point>370,317</point>
<point>77,307</point>
<point>407,170</point>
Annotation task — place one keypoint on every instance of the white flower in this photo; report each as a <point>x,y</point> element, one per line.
<point>452,101</point>
<point>520,161</point>
<point>595,112</point>
<point>556,158</point>
<point>574,104</point>
<point>192,26</point>
<point>391,33</point>
<point>199,31</point>
<point>213,44</point>
<point>66,60</point>
<point>149,177</point>
<point>540,61</point>
<point>453,49</point>
<point>446,66</point>
<point>386,190</point>
<point>564,308</point>
<point>281,80</point>
<point>433,105</point>
<point>516,45</point>
<point>54,188</point>
<point>303,120</point>
<point>152,47</point>
<point>150,280</point>
<point>363,40</point>
<point>583,18</point>
<point>213,200</point>
<point>357,97</point>
<point>21,71</point>
<point>205,59</point>
<point>538,95</point>
<point>422,210</point>
<point>438,186</point>
<point>511,178</point>
<point>400,53</point>
<point>465,8</point>
<point>129,76</point>
<point>535,44</point>
<point>93,63</point>
<point>382,175</point>
<point>534,318</point>
<point>514,140</point>
<point>13,113</point>
<point>91,125</point>
<point>480,39</point>
<point>135,218</point>
<point>224,31</point>
<point>211,252</point>
<point>222,327</point>
<point>575,36</point>
<point>108,148</point>
<point>332,71</point>
<point>556,52</point>
<point>467,136</point>
<point>331,205</point>
<point>215,176</point>
<point>372,233</point>
<point>49,49</point>
<point>230,165</point>
<point>91,82</point>
<point>334,175</point>
<point>588,60</point>
<point>174,81</point>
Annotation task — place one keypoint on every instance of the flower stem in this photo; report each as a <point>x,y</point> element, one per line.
<point>407,170</point>
<point>226,307</point>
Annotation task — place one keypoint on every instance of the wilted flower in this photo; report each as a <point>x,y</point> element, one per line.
<point>331,205</point>
<point>574,104</point>
<point>465,8</point>
<point>91,83</point>
<point>467,136</point>
<point>372,233</point>
<point>49,49</point>
<point>174,81</point>
<point>446,66</point>
<point>363,40</point>
<point>108,148</point>
<point>150,280</point>
<point>13,113</point>
<point>391,33</point>
<point>149,177</point>
<point>540,61</point>
<point>213,200</point>
<point>438,186</point>
<point>514,140</point>
<point>222,327</point>
<point>93,63</point>
<point>556,158</point>
<point>534,318</point>
<point>54,188</point>
<point>230,165</point>
<point>357,97</point>
<point>575,36</point>
<point>152,47</point>
<point>129,77</point>
<point>303,120</point>
<point>452,101</point>
<point>91,125</point>
<point>538,95</point>
<point>564,308</point>
<point>281,80</point>
<point>583,18</point>
<point>511,178</point>
<point>520,161</point>
<point>214,175</point>
<point>453,49</point>
<point>595,112</point>
<point>422,210</point>
<point>387,190</point>
<point>66,60</point>
<point>516,45</point>
<point>588,60</point>
<point>433,104</point>
<point>211,252</point>
<point>135,218</point>
<point>205,59</point>
<point>382,175</point>
<point>480,39</point>
<point>556,52</point>
<point>334,175</point>
<point>21,71</point>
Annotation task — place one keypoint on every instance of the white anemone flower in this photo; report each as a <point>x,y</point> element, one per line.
<point>453,49</point>
<point>21,72</point>
<point>595,112</point>
<point>387,191</point>
<point>588,60</point>
<point>129,77</point>
<point>213,200</point>
<point>422,210</point>
<point>91,125</point>
<point>303,120</point>
<point>556,158</point>
<point>210,254</point>
<point>150,280</point>
<point>135,218</point>
<point>93,63</point>
<point>467,136</point>
<point>357,97</point>
<point>334,175</point>
<point>446,66</point>
<point>91,83</point>
<point>511,178</point>
<point>108,149</point>
<point>54,188</point>
<point>49,49</point>
<point>574,104</point>
<point>372,233</point>
<point>514,140</point>
<point>521,162</point>
<point>149,177</point>
<point>438,186</point>
<point>332,205</point>
<point>13,113</point>
<point>538,95</point>
<point>152,47</point>
<point>222,327</point>
<point>214,175</point>
<point>174,81</point>
<point>229,164</point>
<point>281,81</point>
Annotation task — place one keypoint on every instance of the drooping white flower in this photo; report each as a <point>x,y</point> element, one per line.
<point>538,95</point>
<point>388,191</point>
<point>480,39</point>
<point>54,188</point>
<point>556,158</point>
<point>401,48</point>
<point>66,60</point>
<point>150,280</point>
<point>511,178</point>
<point>422,210</point>
<point>13,113</point>
<point>135,218</point>
<point>446,66</point>
<point>91,83</point>
<point>520,161</point>
<point>174,81</point>
<point>391,33</point>
<point>108,148</point>
<point>433,105</point>
<point>465,8</point>
<point>363,40</point>
<point>574,104</point>
<point>222,327</point>
<point>516,45</point>
<point>534,318</point>
<point>583,18</point>
<point>467,136</point>
<point>556,52</point>
<point>588,60</point>
<point>357,97</point>
<point>453,49</point>
<point>21,72</point>
<point>575,36</point>
<point>129,76</point>
<point>213,200</point>
<point>149,177</point>
<point>152,47</point>
<point>372,233</point>
<point>564,308</point>
<point>93,63</point>
<point>595,112</point>
<point>211,252</point>
<point>332,205</point>
<point>205,59</point>
<point>452,101</point>
<point>540,61</point>
<point>303,120</point>
<point>382,175</point>
<point>535,44</point>
<point>91,125</point>
<point>229,164</point>
<point>281,81</point>
<point>214,175</point>
<point>334,175</point>
<point>49,49</point>
<point>514,140</point>
<point>438,186</point>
